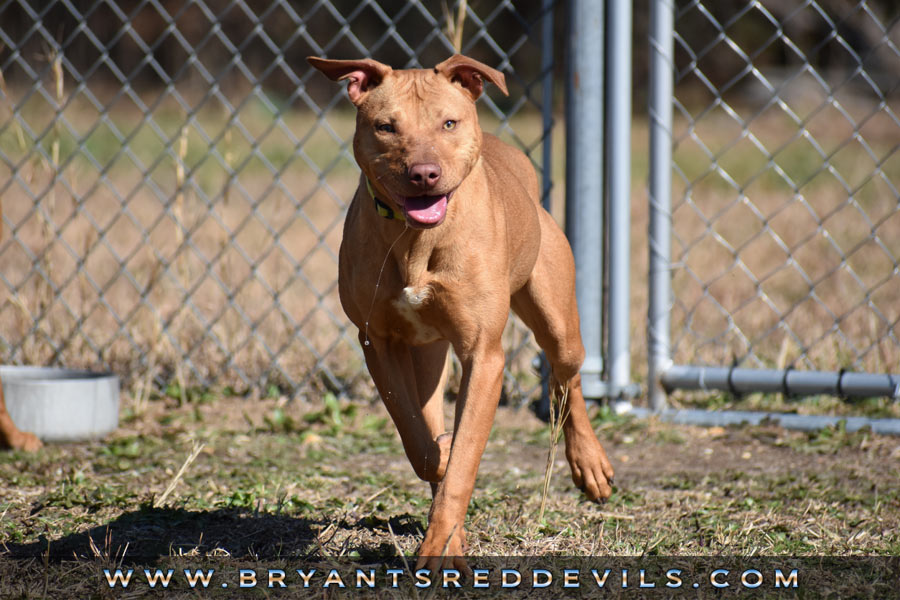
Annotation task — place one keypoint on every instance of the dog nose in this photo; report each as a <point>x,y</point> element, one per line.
<point>424,175</point>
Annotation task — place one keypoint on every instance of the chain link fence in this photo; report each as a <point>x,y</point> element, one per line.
<point>786,186</point>
<point>174,178</point>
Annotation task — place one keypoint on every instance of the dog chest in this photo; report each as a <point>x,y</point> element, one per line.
<point>408,307</point>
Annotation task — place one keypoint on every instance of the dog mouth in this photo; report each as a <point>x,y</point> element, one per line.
<point>425,211</point>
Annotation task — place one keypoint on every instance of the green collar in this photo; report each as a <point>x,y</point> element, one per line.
<point>380,207</point>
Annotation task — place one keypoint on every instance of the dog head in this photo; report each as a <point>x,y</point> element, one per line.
<point>417,134</point>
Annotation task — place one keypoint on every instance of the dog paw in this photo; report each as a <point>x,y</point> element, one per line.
<point>592,472</point>
<point>444,549</point>
<point>23,440</point>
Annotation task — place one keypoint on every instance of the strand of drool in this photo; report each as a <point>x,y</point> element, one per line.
<point>378,281</point>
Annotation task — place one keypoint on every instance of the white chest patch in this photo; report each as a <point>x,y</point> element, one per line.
<point>407,305</point>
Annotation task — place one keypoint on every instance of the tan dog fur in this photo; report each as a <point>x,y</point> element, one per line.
<point>10,435</point>
<point>414,291</point>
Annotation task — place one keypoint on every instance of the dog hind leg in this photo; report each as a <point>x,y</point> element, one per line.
<point>547,305</point>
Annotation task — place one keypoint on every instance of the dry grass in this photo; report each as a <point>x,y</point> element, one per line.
<point>455,25</point>
<point>195,451</point>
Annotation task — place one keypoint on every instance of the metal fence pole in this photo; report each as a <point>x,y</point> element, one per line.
<point>547,100</point>
<point>584,178</point>
<point>618,154</point>
<point>660,226</point>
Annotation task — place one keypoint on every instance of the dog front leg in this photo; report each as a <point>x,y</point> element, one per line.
<point>482,378</point>
<point>395,369</point>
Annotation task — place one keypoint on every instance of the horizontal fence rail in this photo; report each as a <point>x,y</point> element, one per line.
<point>174,178</point>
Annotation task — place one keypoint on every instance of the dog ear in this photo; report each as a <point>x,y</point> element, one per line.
<point>470,74</point>
<point>363,74</point>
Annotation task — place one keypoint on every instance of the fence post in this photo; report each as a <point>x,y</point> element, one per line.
<point>659,354</point>
<point>618,153</point>
<point>584,177</point>
<point>547,101</point>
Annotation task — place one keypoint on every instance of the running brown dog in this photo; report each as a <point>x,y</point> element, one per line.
<point>444,234</point>
<point>10,435</point>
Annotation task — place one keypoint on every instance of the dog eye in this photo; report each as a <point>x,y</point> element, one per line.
<point>385,128</point>
<point>449,124</point>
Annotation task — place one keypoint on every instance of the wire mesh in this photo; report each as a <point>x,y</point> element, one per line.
<point>173,178</point>
<point>786,157</point>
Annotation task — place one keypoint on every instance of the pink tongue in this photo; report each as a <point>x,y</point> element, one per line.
<point>426,209</point>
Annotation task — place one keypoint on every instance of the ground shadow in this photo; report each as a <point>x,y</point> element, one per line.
<point>406,524</point>
<point>149,533</point>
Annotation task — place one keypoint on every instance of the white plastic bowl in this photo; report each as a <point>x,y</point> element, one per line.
<point>61,405</point>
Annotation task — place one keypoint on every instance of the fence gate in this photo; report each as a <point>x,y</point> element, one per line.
<point>775,201</point>
<point>174,177</point>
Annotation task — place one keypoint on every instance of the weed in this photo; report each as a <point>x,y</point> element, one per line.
<point>454,27</point>
<point>832,439</point>
<point>559,412</point>
<point>195,451</point>
<point>333,416</point>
